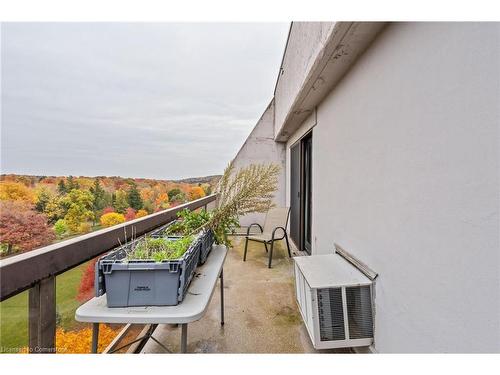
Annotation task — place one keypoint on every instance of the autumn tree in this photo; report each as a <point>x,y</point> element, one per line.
<point>79,341</point>
<point>107,210</point>
<point>146,194</point>
<point>207,188</point>
<point>134,197</point>
<point>141,213</point>
<point>72,184</point>
<point>42,199</point>
<point>61,187</point>
<point>54,209</point>
<point>14,191</point>
<point>60,228</point>
<point>86,287</point>
<point>174,192</point>
<point>130,214</point>
<point>99,197</point>
<point>21,228</point>
<point>161,201</point>
<point>79,206</point>
<point>112,218</point>
<point>196,192</point>
<point>120,203</point>
<point>148,207</point>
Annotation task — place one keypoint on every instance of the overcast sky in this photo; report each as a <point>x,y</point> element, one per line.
<point>136,100</point>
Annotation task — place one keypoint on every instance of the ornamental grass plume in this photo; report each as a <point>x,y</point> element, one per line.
<point>249,189</point>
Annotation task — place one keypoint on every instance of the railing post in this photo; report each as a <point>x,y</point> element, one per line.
<point>42,316</point>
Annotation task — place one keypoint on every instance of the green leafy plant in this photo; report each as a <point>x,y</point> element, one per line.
<point>160,249</point>
<point>189,222</point>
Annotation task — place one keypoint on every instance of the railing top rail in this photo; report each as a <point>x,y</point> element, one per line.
<point>20,272</point>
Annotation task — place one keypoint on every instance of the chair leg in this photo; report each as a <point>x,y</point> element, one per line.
<point>271,254</point>
<point>288,245</point>
<point>246,247</point>
<point>265,245</point>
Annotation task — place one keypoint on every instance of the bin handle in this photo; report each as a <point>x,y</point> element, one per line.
<point>139,268</point>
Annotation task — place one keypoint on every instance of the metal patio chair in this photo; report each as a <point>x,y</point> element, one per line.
<point>274,230</point>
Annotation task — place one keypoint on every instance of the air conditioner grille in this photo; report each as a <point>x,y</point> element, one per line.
<point>359,312</point>
<point>331,315</point>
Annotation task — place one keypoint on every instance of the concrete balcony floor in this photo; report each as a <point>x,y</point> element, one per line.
<point>261,314</point>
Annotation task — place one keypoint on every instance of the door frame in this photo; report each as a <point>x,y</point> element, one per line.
<point>302,200</point>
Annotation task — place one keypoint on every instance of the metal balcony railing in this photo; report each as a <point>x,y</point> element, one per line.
<point>37,270</point>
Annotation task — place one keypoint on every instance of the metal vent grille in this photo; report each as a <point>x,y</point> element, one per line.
<point>331,314</point>
<point>359,312</point>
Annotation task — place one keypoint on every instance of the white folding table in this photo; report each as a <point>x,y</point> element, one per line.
<point>191,309</point>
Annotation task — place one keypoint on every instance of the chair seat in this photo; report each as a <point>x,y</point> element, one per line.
<point>262,237</point>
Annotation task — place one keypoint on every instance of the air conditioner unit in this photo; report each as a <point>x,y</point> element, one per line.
<point>335,300</point>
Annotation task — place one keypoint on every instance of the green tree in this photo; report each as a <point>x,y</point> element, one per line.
<point>71,184</point>
<point>108,199</point>
<point>54,209</point>
<point>148,206</point>
<point>99,197</point>
<point>172,193</point>
<point>120,202</point>
<point>42,199</point>
<point>61,187</point>
<point>79,204</point>
<point>134,197</point>
<point>60,228</point>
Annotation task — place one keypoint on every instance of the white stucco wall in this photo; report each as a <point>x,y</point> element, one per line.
<point>406,178</point>
<point>261,148</point>
<point>305,42</point>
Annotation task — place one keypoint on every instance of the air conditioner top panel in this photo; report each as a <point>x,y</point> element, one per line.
<point>325,271</point>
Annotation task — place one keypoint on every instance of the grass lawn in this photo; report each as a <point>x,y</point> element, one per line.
<point>14,311</point>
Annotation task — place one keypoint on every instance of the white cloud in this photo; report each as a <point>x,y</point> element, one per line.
<point>133,99</point>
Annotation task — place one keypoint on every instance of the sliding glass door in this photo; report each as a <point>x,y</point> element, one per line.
<point>301,193</point>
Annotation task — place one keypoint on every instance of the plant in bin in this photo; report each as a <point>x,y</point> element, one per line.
<point>189,221</point>
<point>159,249</point>
<point>249,189</point>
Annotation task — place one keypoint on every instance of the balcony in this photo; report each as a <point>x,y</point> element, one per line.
<point>261,313</point>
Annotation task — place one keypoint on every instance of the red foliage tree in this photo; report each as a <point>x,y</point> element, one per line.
<point>107,210</point>
<point>86,288</point>
<point>130,214</point>
<point>23,229</point>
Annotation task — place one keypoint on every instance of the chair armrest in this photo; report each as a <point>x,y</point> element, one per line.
<point>250,227</point>
<point>274,231</point>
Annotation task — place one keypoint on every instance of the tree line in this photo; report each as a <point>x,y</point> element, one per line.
<point>38,211</point>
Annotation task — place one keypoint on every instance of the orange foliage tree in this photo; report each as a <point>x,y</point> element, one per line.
<point>14,191</point>
<point>196,192</point>
<point>79,342</point>
<point>112,218</point>
<point>141,213</point>
<point>161,201</point>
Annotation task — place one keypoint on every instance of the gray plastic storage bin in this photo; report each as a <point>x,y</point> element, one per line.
<point>207,240</point>
<point>160,232</point>
<point>144,282</point>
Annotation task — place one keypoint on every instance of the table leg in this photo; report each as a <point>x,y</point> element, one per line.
<point>184,327</point>
<point>95,337</point>
<point>222,297</point>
